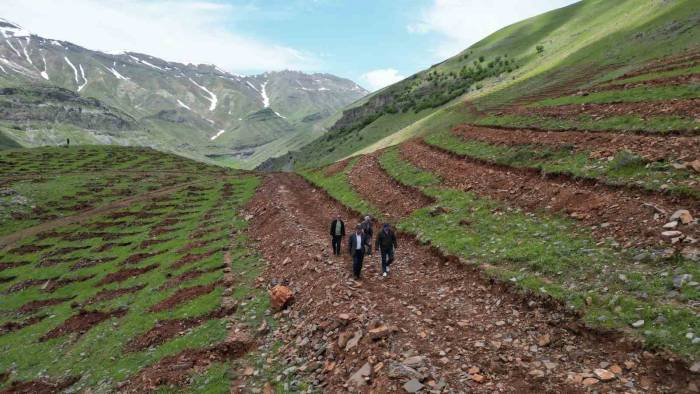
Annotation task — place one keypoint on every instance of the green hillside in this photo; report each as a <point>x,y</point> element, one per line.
<point>553,54</point>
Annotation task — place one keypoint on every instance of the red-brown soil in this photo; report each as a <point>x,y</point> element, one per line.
<point>12,264</point>
<point>110,294</point>
<point>187,275</point>
<point>678,80</point>
<point>193,257</point>
<point>183,295</point>
<point>28,249</point>
<point>82,323</point>
<point>175,370</point>
<point>12,326</point>
<point>336,167</point>
<point>43,386</point>
<point>600,144</point>
<point>438,308</point>
<point>373,184</point>
<point>687,108</point>
<point>109,245</point>
<point>55,284</point>
<point>65,250</point>
<point>628,219</point>
<point>164,330</point>
<point>125,274</point>
<point>33,306</point>
<point>150,242</point>
<point>139,257</point>
<point>27,284</point>
<point>50,262</point>
<point>91,262</point>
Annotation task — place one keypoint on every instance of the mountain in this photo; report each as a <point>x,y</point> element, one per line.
<point>555,54</point>
<point>56,90</point>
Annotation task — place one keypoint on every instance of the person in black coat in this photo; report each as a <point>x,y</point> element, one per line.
<point>386,244</point>
<point>356,247</point>
<point>367,228</point>
<point>337,234</point>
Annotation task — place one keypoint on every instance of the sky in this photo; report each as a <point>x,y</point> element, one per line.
<point>373,42</point>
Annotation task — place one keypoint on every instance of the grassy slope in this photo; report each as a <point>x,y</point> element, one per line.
<point>596,39</point>
<point>99,356</point>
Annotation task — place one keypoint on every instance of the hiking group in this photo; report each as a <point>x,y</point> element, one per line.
<point>360,243</point>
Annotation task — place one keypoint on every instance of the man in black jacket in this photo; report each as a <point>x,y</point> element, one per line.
<point>356,247</point>
<point>337,234</point>
<point>367,228</point>
<point>386,243</point>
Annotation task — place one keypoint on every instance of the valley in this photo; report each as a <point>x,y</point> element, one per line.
<point>546,205</point>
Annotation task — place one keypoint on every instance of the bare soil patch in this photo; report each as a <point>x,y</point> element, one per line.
<point>600,144</point>
<point>125,274</point>
<point>686,108</point>
<point>28,249</point>
<point>187,275</point>
<point>374,185</point>
<point>175,370</point>
<point>33,306</point>
<point>193,257</point>
<point>12,326</point>
<point>53,285</point>
<point>164,330</point>
<point>91,262</point>
<point>109,245</point>
<point>110,294</point>
<point>150,242</point>
<point>82,323</point>
<point>43,386</point>
<point>183,295</point>
<point>628,220</point>
<point>336,167</point>
<point>12,264</point>
<point>139,257</point>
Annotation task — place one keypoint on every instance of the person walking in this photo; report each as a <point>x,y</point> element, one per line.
<point>369,232</point>
<point>337,234</point>
<point>356,247</point>
<point>386,244</point>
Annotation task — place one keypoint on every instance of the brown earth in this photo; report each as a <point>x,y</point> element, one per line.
<point>628,220</point>
<point>150,242</point>
<point>477,335</point>
<point>678,80</point>
<point>193,257</point>
<point>12,326</point>
<point>27,284</point>
<point>183,295</point>
<point>397,201</point>
<point>125,274</point>
<point>139,257</point>
<point>33,306</point>
<point>110,294</point>
<point>28,249</point>
<point>686,108</point>
<point>12,264</point>
<point>82,323</point>
<point>91,262</point>
<point>600,144</point>
<point>187,275</point>
<point>55,284</point>
<point>174,371</point>
<point>336,167</point>
<point>165,330</point>
<point>42,386</point>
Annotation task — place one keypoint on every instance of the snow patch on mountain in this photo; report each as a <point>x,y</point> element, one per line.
<point>252,86</point>
<point>82,73</point>
<point>116,73</point>
<point>3,68</point>
<point>215,136</point>
<point>183,105</point>
<point>145,62</point>
<point>8,28</point>
<point>45,73</point>
<point>9,43</point>
<point>75,70</point>
<point>265,98</point>
<point>278,114</point>
<point>212,97</point>
<point>24,49</point>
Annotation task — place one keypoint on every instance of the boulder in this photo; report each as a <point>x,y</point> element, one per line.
<point>379,332</point>
<point>691,253</point>
<point>360,377</point>
<point>682,215</point>
<point>280,297</point>
<point>414,362</point>
<point>413,386</point>
<point>695,165</point>
<point>354,340</point>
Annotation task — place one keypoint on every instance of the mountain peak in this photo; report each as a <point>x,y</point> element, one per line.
<point>10,29</point>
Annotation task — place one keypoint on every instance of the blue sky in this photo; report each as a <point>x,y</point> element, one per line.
<point>372,42</point>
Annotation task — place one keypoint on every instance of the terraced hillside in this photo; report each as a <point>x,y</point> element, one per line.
<point>595,53</point>
<point>123,269</point>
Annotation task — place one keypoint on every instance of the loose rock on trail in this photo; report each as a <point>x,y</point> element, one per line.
<point>434,323</point>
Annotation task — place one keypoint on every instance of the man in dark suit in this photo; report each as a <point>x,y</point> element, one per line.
<point>356,247</point>
<point>337,234</point>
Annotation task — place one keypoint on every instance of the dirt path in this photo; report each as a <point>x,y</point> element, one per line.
<point>628,219</point>
<point>601,144</point>
<point>396,201</point>
<point>466,332</point>
<point>7,241</point>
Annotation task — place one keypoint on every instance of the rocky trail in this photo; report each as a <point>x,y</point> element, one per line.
<point>631,217</point>
<point>434,325</point>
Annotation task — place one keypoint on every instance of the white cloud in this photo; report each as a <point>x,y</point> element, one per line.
<point>186,31</point>
<point>377,79</point>
<point>462,23</point>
